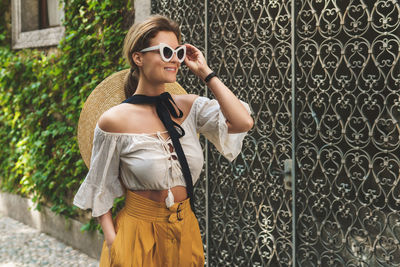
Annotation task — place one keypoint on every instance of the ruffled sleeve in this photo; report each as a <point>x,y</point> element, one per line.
<point>101,185</point>
<point>211,122</point>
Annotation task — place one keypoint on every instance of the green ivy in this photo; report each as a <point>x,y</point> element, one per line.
<point>41,95</point>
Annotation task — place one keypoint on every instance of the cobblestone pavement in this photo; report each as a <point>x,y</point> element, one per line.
<point>23,246</point>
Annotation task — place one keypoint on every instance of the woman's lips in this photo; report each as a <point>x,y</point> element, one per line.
<point>170,69</point>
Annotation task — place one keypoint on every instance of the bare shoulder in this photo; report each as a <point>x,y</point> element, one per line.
<point>185,101</point>
<point>114,119</point>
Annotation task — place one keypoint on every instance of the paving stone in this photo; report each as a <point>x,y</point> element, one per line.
<point>23,246</point>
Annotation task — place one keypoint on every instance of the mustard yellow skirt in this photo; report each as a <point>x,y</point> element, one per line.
<point>149,234</point>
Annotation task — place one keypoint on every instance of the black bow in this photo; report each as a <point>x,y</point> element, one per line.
<point>165,108</point>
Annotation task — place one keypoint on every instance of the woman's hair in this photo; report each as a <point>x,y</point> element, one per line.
<point>138,38</point>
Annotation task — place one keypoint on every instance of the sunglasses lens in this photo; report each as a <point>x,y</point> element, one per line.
<point>181,54</point>
<point>167,52</point>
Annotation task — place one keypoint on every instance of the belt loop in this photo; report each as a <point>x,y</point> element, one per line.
<point>178,210</point>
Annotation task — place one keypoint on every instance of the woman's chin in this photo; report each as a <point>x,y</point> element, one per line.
<point>170,80</point>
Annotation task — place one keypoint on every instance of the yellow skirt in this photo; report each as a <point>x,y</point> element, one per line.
<point>150,234</point>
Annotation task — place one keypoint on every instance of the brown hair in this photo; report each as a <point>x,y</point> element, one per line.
<point>138,38</point>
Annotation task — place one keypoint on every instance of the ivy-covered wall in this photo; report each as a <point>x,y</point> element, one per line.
<point>41,94</point>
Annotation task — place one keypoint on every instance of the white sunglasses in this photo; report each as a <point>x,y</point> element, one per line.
<point>167,53</point>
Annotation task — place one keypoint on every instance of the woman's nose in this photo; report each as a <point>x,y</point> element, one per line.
<point>175,58</point>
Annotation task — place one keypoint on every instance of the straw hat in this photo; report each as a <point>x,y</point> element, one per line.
<point>107,94</point>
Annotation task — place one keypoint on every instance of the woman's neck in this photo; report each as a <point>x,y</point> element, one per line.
<point>148,88</point>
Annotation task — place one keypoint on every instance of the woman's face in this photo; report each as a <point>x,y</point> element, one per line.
<point>154,69</point>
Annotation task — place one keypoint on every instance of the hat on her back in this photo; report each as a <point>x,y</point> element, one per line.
<point>110,92</point>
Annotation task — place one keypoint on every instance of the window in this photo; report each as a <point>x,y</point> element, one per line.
<point>36,23</point>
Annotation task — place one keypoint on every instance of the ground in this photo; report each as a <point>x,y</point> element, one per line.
<point>23,246</point>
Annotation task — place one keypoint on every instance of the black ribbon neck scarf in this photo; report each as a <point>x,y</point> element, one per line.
<point>165,108</point>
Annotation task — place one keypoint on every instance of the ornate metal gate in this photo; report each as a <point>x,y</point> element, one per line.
<point>346,115</point>
<point>347,97</point>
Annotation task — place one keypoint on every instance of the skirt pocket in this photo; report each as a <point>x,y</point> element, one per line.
<point>115,258</point>
<point>134,242</point>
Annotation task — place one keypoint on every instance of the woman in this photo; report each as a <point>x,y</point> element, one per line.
<point>158,158</point>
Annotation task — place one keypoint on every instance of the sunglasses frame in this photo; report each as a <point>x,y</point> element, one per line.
<point>161,47</point>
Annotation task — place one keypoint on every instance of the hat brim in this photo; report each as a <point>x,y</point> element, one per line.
<point>109,93</point>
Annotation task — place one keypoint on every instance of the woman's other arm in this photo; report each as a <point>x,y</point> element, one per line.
<point>107,225</point>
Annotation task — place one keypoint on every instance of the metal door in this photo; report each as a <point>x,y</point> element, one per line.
<point>346,139</point>
<point>347,131</point>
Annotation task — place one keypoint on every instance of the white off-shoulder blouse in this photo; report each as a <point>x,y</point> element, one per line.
<point>145,161</point>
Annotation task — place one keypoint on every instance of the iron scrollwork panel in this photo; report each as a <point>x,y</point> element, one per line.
<point>250,210</point>
<point>249,48</point>
<point>190,16</point>
<point>348,145</point>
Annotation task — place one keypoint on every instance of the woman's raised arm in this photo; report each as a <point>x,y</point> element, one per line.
<point>238,119</point>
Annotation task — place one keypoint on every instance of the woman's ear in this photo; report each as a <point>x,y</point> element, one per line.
<point>137,58</point>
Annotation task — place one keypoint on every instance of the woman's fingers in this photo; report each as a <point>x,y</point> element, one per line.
<point>191,48</point>
<point>196,61</point>
<point>192,52</point>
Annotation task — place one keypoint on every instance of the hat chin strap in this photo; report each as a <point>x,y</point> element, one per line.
<point>165,108</point>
